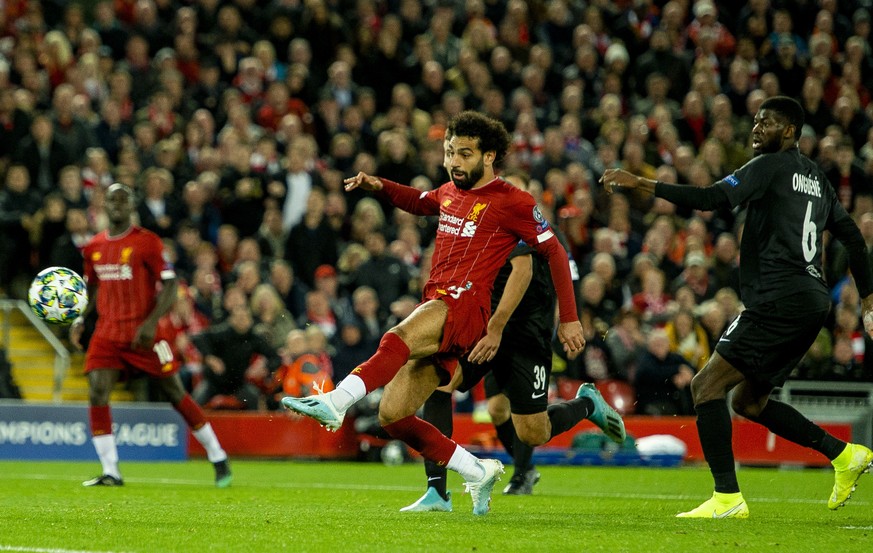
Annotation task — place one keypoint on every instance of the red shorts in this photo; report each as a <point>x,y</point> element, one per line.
<point>106,354</point>
<point>466,321</point>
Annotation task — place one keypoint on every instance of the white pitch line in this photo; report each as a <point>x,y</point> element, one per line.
<point>44,550</point>
<point>396,488</point>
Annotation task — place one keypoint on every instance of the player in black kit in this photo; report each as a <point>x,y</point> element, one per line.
<point>789,205</point>
<point>515,358</point>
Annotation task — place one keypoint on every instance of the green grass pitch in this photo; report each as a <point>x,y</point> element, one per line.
<point>339,507</point>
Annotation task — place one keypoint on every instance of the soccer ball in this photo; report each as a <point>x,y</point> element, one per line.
<point>58,295</point>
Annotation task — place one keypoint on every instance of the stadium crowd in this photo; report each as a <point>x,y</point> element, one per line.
<point>236,122</point>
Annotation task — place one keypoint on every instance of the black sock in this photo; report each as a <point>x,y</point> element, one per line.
<point>715,432</point>
<point>786,422</point>
<point>438,412</point>
<point>566,415</point>
<point>506,435</point>
<point>521,459</point>
<point>520,452</point>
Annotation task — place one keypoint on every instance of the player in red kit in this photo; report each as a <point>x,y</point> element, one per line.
<point>481,219</point>
<point>126,263</point>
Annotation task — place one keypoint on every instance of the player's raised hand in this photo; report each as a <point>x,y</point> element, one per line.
<point>570,334</point>
<point>613,179</point>
<point>867,314</point>
<point>364,182</point>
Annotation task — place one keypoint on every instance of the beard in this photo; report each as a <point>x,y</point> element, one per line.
<point>469,179</point>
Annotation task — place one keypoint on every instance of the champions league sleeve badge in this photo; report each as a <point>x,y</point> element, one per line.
<point>542,224</point>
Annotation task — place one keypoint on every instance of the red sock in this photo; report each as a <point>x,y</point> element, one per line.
<point>100,419</point>
<point>379,369</point>
<point>424,438</point>
<point>191,412</point>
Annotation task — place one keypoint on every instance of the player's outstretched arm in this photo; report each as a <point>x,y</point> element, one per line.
<point>614,179</point>
<point>705,199</point>
<point>364,182</point>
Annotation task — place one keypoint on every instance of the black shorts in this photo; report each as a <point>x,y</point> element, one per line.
<point>522,373</point>
<point>766,342</point>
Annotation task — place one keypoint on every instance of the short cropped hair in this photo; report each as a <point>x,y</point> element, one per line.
<point>788,108</point>
<point>492,135</point>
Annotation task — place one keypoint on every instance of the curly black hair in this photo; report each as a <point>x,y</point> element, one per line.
<point>492,135</point>
<point>789,108</point>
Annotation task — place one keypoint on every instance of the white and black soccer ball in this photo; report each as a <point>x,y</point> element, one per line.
<point>58,295</point>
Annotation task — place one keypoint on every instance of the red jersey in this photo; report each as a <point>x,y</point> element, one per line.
<point>477,231</point>
<point>127,269</point>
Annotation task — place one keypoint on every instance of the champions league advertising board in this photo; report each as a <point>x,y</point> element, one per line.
<point>60,432</point>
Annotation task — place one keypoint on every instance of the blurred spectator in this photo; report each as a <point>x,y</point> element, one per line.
<point>663,379</point>
<point>228,352</point>
<point>382,272</point>
<point>18,205</point>
<point>207,293</point>
<point>351,350</point>
<point>652,303</point>
<point>49,224</point>
<point>273,321</point>
<point>292,292</point>
<point>312,242</point>
<point>696,276</point>
<point>199,212</point>
<point>301,369</point>
<point>848,176</point>
<point>158,212</point>
<point>626,343</point>
<point>366,315</point>
<point>43,155</point>
<point>67,249</point>
<point>327,281</point>
<point>319,313</point>
<point>688,338</point>
<point>844,363</point>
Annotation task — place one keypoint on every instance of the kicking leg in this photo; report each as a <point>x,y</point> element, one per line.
<point>416,337</point>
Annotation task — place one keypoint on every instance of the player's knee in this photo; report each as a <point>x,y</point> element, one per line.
<point>700,389</point>
<point>532,435</point>
<point>98,396</point>
<point>387,415</point>
<point>533,430</point>
<point>173,389</point>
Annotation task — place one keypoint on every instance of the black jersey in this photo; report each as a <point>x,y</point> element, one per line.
<point>534,318</point>
<point>790,203</point>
